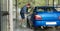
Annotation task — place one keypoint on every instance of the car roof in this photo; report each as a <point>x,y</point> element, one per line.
<point>37,7</point>
<point>44,7</point>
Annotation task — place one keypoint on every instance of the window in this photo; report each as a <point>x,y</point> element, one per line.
<point>50,9</point>
<point>58,9</point>
<point>40,10</point>
<point>46,9</point>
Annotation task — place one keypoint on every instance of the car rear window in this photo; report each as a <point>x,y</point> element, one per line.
<point>46,10</point>
<point>49,10</point>
<point>40,10</point>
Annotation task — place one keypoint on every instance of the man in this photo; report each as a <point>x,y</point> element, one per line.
<point>23,13</point>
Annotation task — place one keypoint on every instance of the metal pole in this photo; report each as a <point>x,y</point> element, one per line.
<point>0,15</point>
<point>48,2</point>
<point>58,2</point>
<point>11,14</point>
<point>16,13</point>
<point>16,9</point>
<point>53,3</point>
<point>8,15</point>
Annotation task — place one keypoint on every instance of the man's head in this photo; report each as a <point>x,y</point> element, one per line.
<point>28,5</point>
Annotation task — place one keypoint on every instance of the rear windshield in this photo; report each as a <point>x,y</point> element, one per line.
<point>46,10</point>
<point>40,10</point>
<point>50,9</point>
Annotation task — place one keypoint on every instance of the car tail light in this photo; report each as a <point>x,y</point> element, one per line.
<point>59,17</point>
<point>38,17</point>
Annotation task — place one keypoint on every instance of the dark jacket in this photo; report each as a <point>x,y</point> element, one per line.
<point>23,9</point>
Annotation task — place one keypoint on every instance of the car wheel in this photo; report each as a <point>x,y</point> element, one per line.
<point>56,27</point>
<point>38,29</point>
<point>46,27</point>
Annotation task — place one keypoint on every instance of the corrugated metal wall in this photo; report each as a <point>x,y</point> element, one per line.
<point>0,15</point>
<point>4,18</point>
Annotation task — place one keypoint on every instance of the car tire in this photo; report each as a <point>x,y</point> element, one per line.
<point>56,27</point>
<point>46,27</point>
<point>38,29</point>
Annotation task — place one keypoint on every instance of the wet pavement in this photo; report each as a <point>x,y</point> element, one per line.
<point>23,29</point>
<point>27,29</point>
<point>18,28</point>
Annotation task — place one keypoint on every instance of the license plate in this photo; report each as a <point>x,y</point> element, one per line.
<point>50,23</point>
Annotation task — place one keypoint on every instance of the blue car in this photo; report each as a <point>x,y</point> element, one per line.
<point>44,16</point>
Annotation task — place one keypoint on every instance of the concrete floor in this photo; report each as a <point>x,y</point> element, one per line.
<point>17,28</point>
<point>23,29</point>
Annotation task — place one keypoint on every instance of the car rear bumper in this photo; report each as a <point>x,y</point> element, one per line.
<point>47,23</point>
